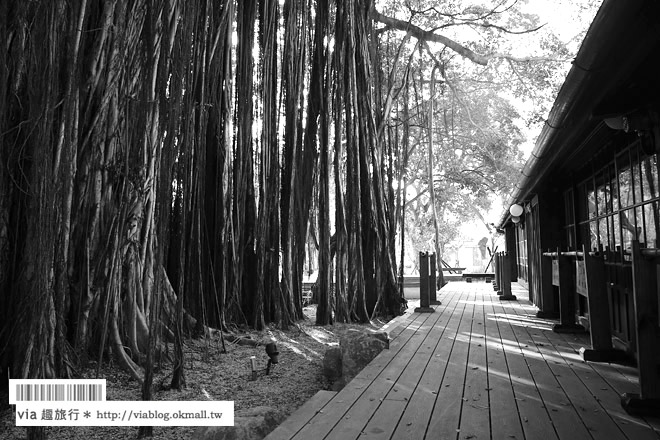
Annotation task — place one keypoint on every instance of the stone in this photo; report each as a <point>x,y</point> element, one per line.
<point>358,349</point>
<point>249,424</point>
<point>383,336</point>
<point>332,364</point>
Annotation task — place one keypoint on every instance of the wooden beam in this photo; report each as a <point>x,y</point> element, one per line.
<point>506,279</point>
<point>433,285</point>
<point>647,332</point>
<point>567,298</point>
<point>548,308</point>
<point>600,330</point>
<point>424,294</point>
<point>496,269</point>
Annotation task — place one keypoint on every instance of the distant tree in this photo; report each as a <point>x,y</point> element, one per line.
<point>475,129</point>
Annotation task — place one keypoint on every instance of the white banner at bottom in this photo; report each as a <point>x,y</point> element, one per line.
<point>126,413</point>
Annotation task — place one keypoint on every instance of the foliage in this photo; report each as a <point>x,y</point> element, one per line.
<point>500,69</point>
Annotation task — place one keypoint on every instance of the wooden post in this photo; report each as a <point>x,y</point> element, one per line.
<point>424,299</point>
<point>547,299</point>
<point>424,279</point>
<point>567,298</point>
<point>500,273</point>
<point>600,330</point>
<point>645,298</point>
<point>496,273</point>
<point>506,279</point>
<point>433,286</point>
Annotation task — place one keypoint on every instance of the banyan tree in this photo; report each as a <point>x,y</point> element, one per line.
<point>165,165</point>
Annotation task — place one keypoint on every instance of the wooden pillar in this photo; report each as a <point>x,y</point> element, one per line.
<point>506,278</point>
<point>567,298</point>
<point>496,272</point>
<point>433,285</point>
<point>500,273</point>
<point>645,297</point>
<point>424,298</point>
<point>512,249</point>
<point>600,330</point>
<point>547,299</point>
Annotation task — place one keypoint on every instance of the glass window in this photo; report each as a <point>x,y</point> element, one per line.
<point>593,235</point>
<point>650,178</point>
<point>637,187</point>
<point>591,200</point>
<point>639,221</point>
<point>601,201</point>
<point>629,228</point>
<point>619,203</point>
<point>603,238</point>
<point>625,188</point>
<point>615,195</point>
<point>616,232</point>
<point>651,224</point>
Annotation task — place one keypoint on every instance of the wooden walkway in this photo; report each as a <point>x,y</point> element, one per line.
<point>476,368</point>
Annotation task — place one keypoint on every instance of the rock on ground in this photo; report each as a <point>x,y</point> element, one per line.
<point>332,364</point>
<point>356,349</point>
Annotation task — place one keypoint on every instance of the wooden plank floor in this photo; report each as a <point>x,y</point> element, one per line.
<point>476,368</point>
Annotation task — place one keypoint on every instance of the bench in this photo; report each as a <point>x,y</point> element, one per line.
<point>488,277</point>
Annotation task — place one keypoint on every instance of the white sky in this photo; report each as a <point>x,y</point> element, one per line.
<point>562,16</point>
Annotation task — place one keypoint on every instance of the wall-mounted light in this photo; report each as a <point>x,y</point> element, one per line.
<point>637,121</point>
<point>618,123</point>
<point>516,210</point>
<point>515,219</point>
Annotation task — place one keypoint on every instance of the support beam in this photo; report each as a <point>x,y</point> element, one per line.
<point>496,272</point>
<point>645,296</point>
<point>567,298</point>
<point>548,308</point>
<point>433,284</point>
<point>424,296</point>
<point>600,329</point>
<point>506,279</point>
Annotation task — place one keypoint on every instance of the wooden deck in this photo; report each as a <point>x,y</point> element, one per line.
<point>476,368</point>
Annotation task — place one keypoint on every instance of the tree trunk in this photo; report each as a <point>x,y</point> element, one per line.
<point>268,300</point>
<point>436,229</point>
<point>293,239</point>
<point>324,309</point>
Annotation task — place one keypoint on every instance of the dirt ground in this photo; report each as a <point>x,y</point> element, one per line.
<point>213,375</point>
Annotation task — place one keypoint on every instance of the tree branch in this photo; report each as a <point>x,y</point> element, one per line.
<point>423,35</point>
<point>487,25</point>
<point>426,36</point>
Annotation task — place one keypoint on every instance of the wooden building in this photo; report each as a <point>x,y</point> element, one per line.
<point>586,243</point>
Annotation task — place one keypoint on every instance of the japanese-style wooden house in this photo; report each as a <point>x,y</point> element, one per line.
<point>586,243</point>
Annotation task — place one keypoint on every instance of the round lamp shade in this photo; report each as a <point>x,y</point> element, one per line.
<point>515,219</point>
<point>516,210</point>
